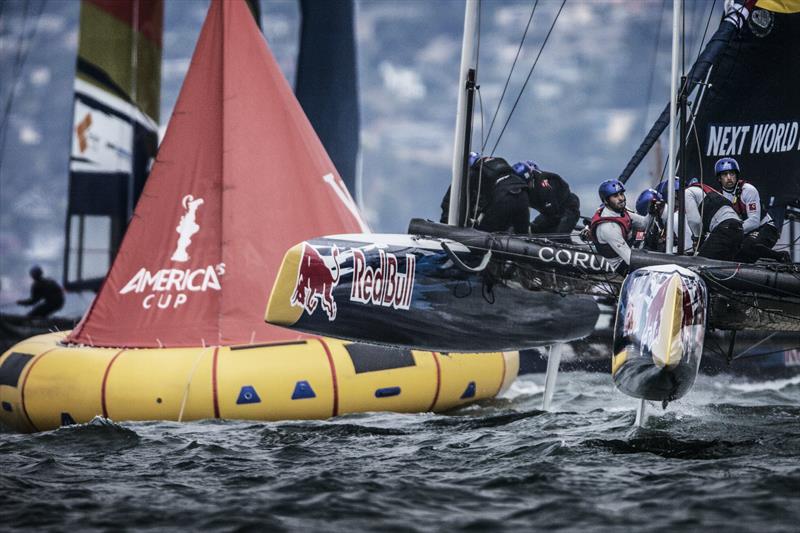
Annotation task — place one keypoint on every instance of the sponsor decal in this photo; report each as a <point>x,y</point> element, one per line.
<point>315,281</point>
<point>187,227</point>
<point>171,287</point>
<point>81,131</point>
<point>745,139</point>
<point>383,285</point>
<point>575,259</point>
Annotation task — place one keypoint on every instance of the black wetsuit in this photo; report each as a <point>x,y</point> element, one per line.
<point>499,196</point>
<point>48,290</point>
<point>559,208</point>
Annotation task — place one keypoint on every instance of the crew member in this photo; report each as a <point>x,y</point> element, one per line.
<point>497,200</point>
<point>548,193</point>
<point>652,238</point>
<point>45,289</point>
<point>655,236</point>
<point>760,232</point>
<point>612,227</point>
<point>711,219</point>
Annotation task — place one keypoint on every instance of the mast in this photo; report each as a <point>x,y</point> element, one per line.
<point>673,101</point>
<point>463,117</point>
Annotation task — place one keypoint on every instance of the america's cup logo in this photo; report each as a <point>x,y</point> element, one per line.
<point>187,227</point>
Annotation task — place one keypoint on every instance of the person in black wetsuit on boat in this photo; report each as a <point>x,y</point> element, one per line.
<point>43,289</point>
<point>496,196</point>
<point>711,220</point>
<point>760,232</point>
<point>559,208</point>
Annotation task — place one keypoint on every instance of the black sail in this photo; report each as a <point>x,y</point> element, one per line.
<point>750,107</point>
<point>327,82</point>
<point>751,110</point>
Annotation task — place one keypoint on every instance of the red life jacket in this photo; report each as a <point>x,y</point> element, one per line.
<point>624,221</point>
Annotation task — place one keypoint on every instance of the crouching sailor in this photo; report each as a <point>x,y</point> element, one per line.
<point>497,200</point>
<point>559,208</point>
<point>760,233</point>
<point>613,227</point>
<point>711,219</point>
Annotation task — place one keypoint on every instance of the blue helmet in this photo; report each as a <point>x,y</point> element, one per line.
<point>610,188</point>
<point>525,170</point>
<point>661,188</point>
<point>725,164</point>
<point>647,197</point>
<point>472,158</point>
<point>532,164</point>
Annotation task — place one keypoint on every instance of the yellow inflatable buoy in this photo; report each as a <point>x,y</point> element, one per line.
<point>45,384</point>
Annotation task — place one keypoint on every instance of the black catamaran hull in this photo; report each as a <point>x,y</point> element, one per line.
<point>407,291</point>
<point>420,292</point>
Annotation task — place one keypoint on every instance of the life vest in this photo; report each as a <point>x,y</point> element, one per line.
<point>741,208</point>
<point>624,221</point>
<point>713,201</point>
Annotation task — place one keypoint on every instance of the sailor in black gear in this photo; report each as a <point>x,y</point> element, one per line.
<point>548,193</point>
<point>760,232</point>
<point>43,289</point>
<point>711,219</point>
<point>497,200</point>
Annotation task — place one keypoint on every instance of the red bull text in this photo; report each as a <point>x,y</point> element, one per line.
<point>315,282</point>
<point>383,285</point>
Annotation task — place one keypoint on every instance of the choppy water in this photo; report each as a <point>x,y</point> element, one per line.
<point>726,458</point>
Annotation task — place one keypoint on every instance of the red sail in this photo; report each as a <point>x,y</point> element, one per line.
<point>240,177</point>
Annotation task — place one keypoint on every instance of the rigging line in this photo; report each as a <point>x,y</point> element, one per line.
<point>699,100</point>
<point>705,31</point>
<point>683,37</point>
<point>508,78</point>
<point>16,66</point>
<point>469,141</point>
<point>773,312</point>
<point>759,343</point>
<point>528,78</point>
<point>772,352</point>
<point>20,61</point>
<point>480,174</point>
<point>645,122</point>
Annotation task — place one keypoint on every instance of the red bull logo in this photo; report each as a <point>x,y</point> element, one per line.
<point>384,284</point>
<point>315,282</point>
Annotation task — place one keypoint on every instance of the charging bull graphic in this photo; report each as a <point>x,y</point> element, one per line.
<point>315,279</point>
